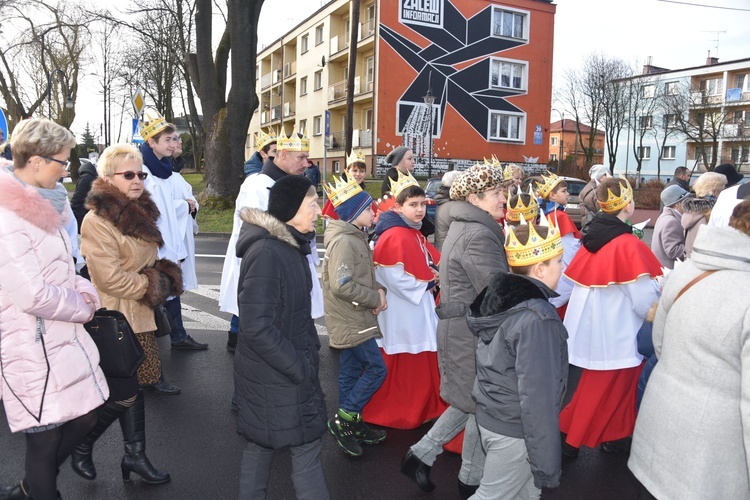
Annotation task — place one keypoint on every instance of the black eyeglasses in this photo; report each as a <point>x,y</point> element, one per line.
<point>65,164</point>
<point>130,175</point>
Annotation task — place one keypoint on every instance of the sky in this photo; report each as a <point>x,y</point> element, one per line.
<point>674,34</point>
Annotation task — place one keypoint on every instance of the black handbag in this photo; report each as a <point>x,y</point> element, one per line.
<point>120,352</point>
<point>165,324</point>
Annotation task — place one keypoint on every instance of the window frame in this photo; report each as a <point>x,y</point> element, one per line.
<point>645,122</point>
<point>303,86</point>
<point>642,150</point>
<point>523,66</point>
<point>318,125</point>
<point>648,91</point>
<point>318,80</point>
<point>302,126</point>
<point>666,149</point>
<point>319,29</point>
<point>504,9</point>
<point>671,88</point>
<point>520,119</point>
<point>304,43</point>
<point>553,140</point>
<point>668,125</point>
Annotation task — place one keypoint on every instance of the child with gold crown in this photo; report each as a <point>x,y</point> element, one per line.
<point>406,264</point>
<point>522,367</point>
<point>614,286</point>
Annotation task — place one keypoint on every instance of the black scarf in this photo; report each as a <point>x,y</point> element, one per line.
<point>302,239</point>
<point>160,168</point>
<point>272,170</point>
<point>602,229</point>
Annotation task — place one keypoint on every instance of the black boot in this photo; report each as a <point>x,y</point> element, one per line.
<point>133,423</point>
<point>232,341</point>
<point>18,491</point>
<point>466,490</point>
<point>80,459</point>
<point>418,471</point>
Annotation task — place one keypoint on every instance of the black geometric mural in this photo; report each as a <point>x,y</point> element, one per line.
<point>467,90</point>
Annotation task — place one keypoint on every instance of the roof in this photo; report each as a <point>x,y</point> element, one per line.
<point>570,126</point>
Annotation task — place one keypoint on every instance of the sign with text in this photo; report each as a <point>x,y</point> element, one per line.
<point>422,12</point>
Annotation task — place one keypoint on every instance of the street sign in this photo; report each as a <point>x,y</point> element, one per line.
<point>139,102</point>
<point>137,139</point>
<point>3,126</point>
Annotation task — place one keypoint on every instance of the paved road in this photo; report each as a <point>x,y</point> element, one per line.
<point>192,436</point>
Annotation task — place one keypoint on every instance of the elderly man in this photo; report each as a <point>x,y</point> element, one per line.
<point>668,240</point>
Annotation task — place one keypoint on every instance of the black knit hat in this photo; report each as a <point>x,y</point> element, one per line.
<point>287,195</point>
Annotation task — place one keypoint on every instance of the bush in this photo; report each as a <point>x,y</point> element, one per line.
<point>648,195</point>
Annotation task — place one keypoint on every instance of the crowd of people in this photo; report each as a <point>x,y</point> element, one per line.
<point>474,333</point>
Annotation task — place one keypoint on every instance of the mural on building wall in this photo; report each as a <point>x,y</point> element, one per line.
<point>455,41</point>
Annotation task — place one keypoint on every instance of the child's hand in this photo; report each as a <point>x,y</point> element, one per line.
<point>436,274</point>
<point>383,303</point>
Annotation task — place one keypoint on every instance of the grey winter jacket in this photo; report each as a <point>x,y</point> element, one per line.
<point>472,254</point>
<point>668,240</point>
<point>350,290</point>
<point>442,216</point>
<point>522,368</point>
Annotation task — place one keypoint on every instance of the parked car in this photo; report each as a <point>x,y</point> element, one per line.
<point>430,190</point>
<point>575,186</point>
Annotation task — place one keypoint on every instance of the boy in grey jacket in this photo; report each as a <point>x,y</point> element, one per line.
<point>352,300</point>
<point>522,368</point>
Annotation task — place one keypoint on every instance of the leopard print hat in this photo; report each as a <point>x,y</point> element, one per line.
<point>476,179</point>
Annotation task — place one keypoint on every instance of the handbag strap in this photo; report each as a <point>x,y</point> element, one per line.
<point>693,282</point>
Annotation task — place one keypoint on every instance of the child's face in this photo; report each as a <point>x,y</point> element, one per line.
<point>357,173</point>
<point>364,219</point>
<point>413,208</point>
<point>560,196</point>
<point>549,272</point>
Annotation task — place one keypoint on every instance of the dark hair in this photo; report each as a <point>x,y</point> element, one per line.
<point>410,192</point>
<point>740,219</point>
<point>169,129</point>
<point>680,171</point>
<point>610,184</point>
<point>267,147</point>
<point>522,234</point>
<point>358,164</point>
<point>558,187</point>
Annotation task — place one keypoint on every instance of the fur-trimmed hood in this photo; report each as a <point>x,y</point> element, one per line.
<point>701,205</point>
<point>26,202</point>
<point>136,218</point>
<point>267,225</point>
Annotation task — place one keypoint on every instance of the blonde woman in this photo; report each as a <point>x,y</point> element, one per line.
<point>696,212</point>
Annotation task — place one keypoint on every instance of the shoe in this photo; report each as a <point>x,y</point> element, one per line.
<point>232,341</point>
<point>366,434</point>
<point>418,471</point>
<point>344,432</point>
<point>16,491</point>
<point>466,490</point>
<point>133,425</point>
<point>569,451</point>
<point>164,387</point>
<point>619,446</point>
<point>189,343</point>
<point>81,458</point>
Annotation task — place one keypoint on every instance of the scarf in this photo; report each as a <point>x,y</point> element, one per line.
<point>411,224</point>
<point>160,168</point>
<point>57,196</point>
<point>602,229</point>
<point>303,239</point>
<point>271,170</point>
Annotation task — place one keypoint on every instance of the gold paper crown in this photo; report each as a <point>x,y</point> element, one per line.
<point>263,139</point>
<point>341,191</point>
<point>617,203</point>
<point>153,123</point>
<point>536,249</point>
<point>549,182</point>
<point>508,171</point>
<point>403,182</point>
<point>355,157</point>
<point>293,142</point>
<point>528,212</point>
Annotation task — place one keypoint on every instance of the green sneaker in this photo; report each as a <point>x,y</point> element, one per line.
<point>343,426</point>
<point>366,434</point>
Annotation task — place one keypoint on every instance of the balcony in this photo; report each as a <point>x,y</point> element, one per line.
<point>337,91</point>
<point>360,139</point>
<point>367,29</point>
<point>288,109</point>
<point>338,46</point>
<point>276,76</point>
<point>266,80</point>
<point>734,131</point>
<point>290,69</point>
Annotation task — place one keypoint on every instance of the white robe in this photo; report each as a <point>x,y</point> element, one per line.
<point>603,322</point>
<point>571,244</point>
<point>409,324</point>
<point>254,193</point>
<point>175,222</point>
<point>725,203</point>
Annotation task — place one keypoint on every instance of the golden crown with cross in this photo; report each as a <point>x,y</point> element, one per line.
<point>292,142</point>
<point>536,249</point>
<point>263,139</point>
<point>403,182</point>
<point>521,211</point>
<point>341,190</point>
<point>152,123</point>
<point>548,184</point>
<point>354,158</point>
<point>616,203</point>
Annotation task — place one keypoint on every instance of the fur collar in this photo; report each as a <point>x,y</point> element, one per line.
<point>274,226</point>
<point>698,205</point>
<point>135,218</point>
<point>26,202</point>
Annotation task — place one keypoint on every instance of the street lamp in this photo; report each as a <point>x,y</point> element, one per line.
<point>62,78</point>
<point>429,100</point>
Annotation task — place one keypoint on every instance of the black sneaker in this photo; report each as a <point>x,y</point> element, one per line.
<point>232,341</point>
<point>366,434</point>
<point>344,432</point>
<point>189,343</point>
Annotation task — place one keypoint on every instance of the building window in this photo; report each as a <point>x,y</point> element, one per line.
<point>508,75</point>
<point>370,72</point>
<point>368,119</point>
<point>644,152</point>
<point>645,122</point>
<point>317,125</point>
<point>741,154</point>
<point>670,121</point>
<point>647,91</point>
<point>671,88</point>
<point>303,85</point>
<point>304,44</point>
<point>318,80</point>
<point>743,83</point>
<point>336,166</point>
<point>668,153</point>
<point>302,126</point>
<point>508,23</point>
<point>554,141</point>
<point>712,87</point>
<point>553,157</point>
<point>319,35</point>
<point>505,126</point>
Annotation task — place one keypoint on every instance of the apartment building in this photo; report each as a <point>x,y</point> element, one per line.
<point>565,144</point>
<point>692,117</point>
<point>488,65</point>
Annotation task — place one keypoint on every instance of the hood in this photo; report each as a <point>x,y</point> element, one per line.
<point>721,248</point>
<point>442,195</point>
<point>464,211</point>
<point>387,220</point>
<point>87,168</point>
<point>691,219</point>
<point>506,294</point>
<point>338,229</point>
<point>262,225</point>
<point>602,229</point>
<point>26,202</point>
<point>698,205</point>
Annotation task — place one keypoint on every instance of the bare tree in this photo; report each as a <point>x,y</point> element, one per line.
<point>665,123</point>
<point>615,106</point>
<point>641,118</point>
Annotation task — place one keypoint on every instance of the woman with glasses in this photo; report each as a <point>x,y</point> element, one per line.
<point>50,381</point>
<point>120,240</point>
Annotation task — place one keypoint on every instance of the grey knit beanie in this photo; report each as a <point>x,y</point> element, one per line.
<point>395,156</point>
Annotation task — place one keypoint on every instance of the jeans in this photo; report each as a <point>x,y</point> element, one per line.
<point>174,308</point>
<point>234,324</point>
<point>307,472</point>
<point>448,426</point>
<point>361,373</point>
<point>507,472</point>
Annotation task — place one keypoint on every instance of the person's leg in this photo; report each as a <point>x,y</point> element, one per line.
<point>507,472</point>
<point>307,472</point>
<point>255,470</point>
<point>73,433</point>
<point>367,372</point>
<point>445,428</point>
<point>234,330</point>
<point>343,424</point>
<point>81,459</point>
<point>179,337</point>
<point>133,425</point>
<point>41,463</point>
<point>472,454</point>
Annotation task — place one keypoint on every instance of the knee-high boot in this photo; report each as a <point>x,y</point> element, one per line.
<point>133,423</point>
<point>81,459</point>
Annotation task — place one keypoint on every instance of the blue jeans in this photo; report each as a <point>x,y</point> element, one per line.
<point>361,373</point>
<point>234,324</point>
<point>174,308</point>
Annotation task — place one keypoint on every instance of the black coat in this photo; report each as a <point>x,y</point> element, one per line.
<point>86,175</point>
<point>276,364</point>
